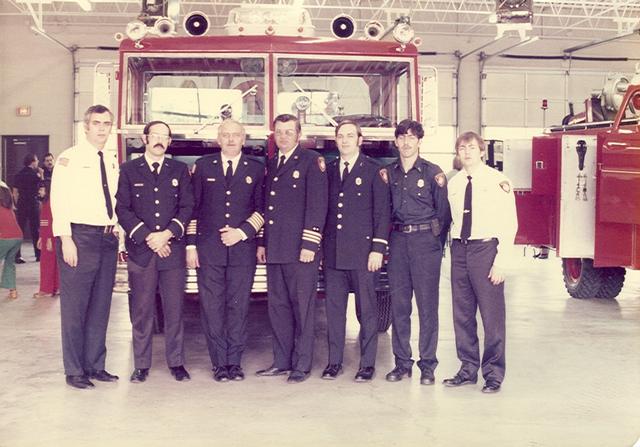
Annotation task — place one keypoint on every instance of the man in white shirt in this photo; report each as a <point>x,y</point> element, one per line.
<point>82,203</point>
<point>483,231</point>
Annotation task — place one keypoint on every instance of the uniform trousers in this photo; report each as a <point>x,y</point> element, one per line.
<point>472,290</point>
<point>224,303</point>
<point>144,283</point>
<point>292,303</point>
<point>49,282</point>
<point>28,212</point>
<point>414,267</point>
<point>85,298</point>
<point>8,250</point>
<point>338,284</point>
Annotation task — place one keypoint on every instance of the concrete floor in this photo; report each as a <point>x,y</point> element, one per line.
<point>572,380</point>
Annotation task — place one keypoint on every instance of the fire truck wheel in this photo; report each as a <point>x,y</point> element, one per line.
<point>384,310</point>
<point>612,282</point>
<point>581,279</point>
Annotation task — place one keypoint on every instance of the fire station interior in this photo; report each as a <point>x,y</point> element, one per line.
<point>553,86</point>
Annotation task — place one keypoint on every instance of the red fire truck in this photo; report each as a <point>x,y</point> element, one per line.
<point>194,82</point>
<point>584,194</point>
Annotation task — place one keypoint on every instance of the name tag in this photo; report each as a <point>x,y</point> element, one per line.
<point>138,184</point>
<point>211,179</point>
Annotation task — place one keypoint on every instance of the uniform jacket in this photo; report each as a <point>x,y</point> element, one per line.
<point>296,206</point>
<point>238,205</point>
<point>359,215</point>
<point>146,204</point>
<point>420,195</point>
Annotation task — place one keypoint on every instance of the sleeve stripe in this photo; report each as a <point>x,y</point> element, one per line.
<point>260,233</point>
<point>44,223</point>
<point>308,239</point>
<point>135,229</point>
<point>312,233</point>
<point>179,223</point>
<point>192,228</point>
<point>382,241</point>
<point>256,221</point>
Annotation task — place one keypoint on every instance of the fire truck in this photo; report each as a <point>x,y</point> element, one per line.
<point>582,195</point>
<point>264,68</point>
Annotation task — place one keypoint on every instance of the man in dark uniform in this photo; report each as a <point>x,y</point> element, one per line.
<point>420,220</point>
<point>228,213</point>
<point>47,167</point>
<point>481,245</point>
<point>354,244</point>
<point>82,202</point>
<point>155,202</point>
<point>296,209</point>
<point>25,192</point>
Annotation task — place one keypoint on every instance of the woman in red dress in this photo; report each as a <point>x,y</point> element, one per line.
<point>10,240</point>
<point>49,282</point>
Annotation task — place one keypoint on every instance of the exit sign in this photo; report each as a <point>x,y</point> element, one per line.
<point>23,111</point>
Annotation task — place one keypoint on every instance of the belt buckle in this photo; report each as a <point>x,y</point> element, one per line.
<point>407,229</point>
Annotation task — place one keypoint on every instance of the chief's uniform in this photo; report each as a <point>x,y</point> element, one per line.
<point>493,229</point>
<point>80,210</point>
<point>296,209</point>
<point>148,203</point>
<point>420,220</point>
<point>226,273</point>
<point>358,223</point>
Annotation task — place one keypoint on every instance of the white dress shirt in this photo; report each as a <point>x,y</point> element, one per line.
<point>76,188</point>
<point>351,160</point>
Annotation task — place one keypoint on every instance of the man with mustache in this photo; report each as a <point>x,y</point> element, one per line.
<point>155,201</point>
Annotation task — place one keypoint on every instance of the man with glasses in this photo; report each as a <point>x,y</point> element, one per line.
<point>228,214</point>
<point>296,209</point>
<point>82,203</point>
<point>155,202</point>
<point>420,220</point>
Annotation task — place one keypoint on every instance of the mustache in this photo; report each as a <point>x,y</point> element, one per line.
<point>160,145</point>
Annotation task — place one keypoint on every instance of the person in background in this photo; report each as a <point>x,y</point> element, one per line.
<point>10,240</point>
<point>25,193</point>
<point>49,281</point>
<point>47,167</point>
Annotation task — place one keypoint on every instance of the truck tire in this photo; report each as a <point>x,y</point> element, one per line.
<point>612,282</point>
<point>384,310</point>
<point>583,280</point>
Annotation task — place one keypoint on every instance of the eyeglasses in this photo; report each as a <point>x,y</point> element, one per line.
<point>159,136</point>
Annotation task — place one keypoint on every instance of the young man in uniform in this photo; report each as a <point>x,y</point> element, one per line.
<point>483,231</point>
<point>228,214</point>
<point>82,204</point>
<point>354,244</point>
<point>296,209</point>
<point>420,220</point>
<point>155,201</point>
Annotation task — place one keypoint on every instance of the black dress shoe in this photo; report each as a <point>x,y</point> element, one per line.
<point>297,376</point>
<point>179,373</point>
<point>459,380</point>
<point>80,382</point>
<point>139,375</point>
<point>331,372</point>
<point>22,261</point>
<point>235,372</point>
<point>365,374</point>
<point>491,386</point>
<point>102,376</point>
<point>220,374</point>
<point>272,371</point>
<point>398,373</point>
<point>427,377</point>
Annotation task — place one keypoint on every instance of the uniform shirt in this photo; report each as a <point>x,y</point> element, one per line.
<point>26,182</point>
<point>359,215</point>
<point>76,188</point>
<point>493,209</point>
<point>151,162</point>
<point>296,206</point>
<point>419,195</point>
<point>352,161</point>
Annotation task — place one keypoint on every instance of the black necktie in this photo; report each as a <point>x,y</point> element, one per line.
<point>345,171</point>
<point>229,173</point>
<point>105,186</point>
<point>156,167</point>
<point>465,232</point>
<point>282,158</point>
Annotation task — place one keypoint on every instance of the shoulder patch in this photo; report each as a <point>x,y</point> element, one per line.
<point>384,175</point>
<point>506,186</point>
<point>321,164</point>
<point>440,179</point>
<point>63,161</point>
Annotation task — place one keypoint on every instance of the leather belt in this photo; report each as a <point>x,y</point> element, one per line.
<point>414,228</point>
<point>105,229</point>
<point>475,241</point>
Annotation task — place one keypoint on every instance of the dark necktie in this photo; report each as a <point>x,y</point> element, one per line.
<point>229,173</point>
<point>156,167</point>
<point>345,171</point>
<point>105,186</point>
<point>465,232</point>
<point>282,158</point>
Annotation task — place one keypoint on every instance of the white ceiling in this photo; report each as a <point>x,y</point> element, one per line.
<point>556,19</point>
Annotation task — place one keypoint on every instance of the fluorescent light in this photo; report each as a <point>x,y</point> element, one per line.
<point>84,4</point>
